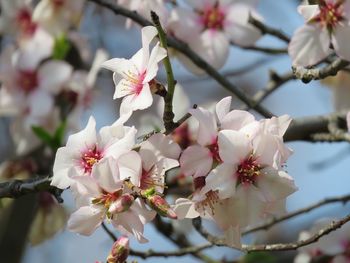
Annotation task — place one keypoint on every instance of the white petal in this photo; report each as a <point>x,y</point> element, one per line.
<point>308,11</point>
<point>63,163</point>
<point>223,107</point>
<point>234,146</point>
<point>207,130</point>
<point>216,46</point>
<point>85,220</point>
<point>309,45</point>
<point>85,138</point>
<point>275,185</point>
<point>340,38</point>
<point>106,173</point>
<point>40,102</point>
<point>222,178</point>
<point>184,208</point>
<point>130,166</point>
<point>348,121</point>
<point>53,74</point>
<point>237,26</point>
<point>236,119</point>
<point>157,54</point>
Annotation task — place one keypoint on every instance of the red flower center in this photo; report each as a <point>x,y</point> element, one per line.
<point>25,22</point>
<point>330,14</point>
<point>27,80</point>
<point>89,158</point>
<point>213,18</point>
<point>214,151</point>
<point>248,171</point>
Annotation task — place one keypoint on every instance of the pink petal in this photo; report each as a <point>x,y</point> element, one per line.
<point>234,146</point>
<point>196,160</point>
<point>207,130</point>
<point>340,38</point>
<point>223,107</point>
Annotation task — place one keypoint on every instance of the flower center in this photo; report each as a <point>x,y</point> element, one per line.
<point>330,14</point>
<point>25,22</point>
<point>214,151</point>
<point>58,3</point>
<point>27,80</point>
<point>213,18</point>
<point>89,158</point>
<point>134,81</point>
<point>199,182</point>
<point>248,171</point>
<point>209,202</point>
<point>149,179</point>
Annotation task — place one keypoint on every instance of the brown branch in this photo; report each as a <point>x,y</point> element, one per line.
<point>307,75</point>
<point>17,188</point>
<point>334,225</point>
<point>193,56</point>
<point>343,199</point>
<point>267,50</point>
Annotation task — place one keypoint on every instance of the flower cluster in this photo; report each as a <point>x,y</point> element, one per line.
<point>38,86</point>
<point>237,169</point>
<point>113,178</point>
<point>209,27</point>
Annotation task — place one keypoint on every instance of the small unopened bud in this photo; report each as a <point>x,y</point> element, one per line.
<point>122,204</point>
<point>120,251</point>
<point>162,207</point>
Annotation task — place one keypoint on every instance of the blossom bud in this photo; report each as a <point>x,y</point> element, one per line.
<point>160,205</point>
<point>122,204</point>
<point>120,251</point>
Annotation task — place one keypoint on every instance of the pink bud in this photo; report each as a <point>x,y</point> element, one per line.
<point>160,205</point>
<point>122,204</point>
<point>120,251</point>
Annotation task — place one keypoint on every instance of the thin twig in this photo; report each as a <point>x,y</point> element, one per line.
<point>268,30</point>
<point>168,115</point>
<point>343,199</point>
<point>334,225</point>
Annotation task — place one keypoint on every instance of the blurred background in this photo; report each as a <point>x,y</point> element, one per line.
<point>320,169</point>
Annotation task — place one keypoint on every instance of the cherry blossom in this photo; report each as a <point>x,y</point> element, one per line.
<point>56,16</point>
<point>102,195</point>
<point>198,159</point>
<point>16,17</point>
<point>348,121</point>
<point>327,25</point>
<point>211,26</point>
<point>133,77</point>
<point>28,89</point>
<point>87,147</point>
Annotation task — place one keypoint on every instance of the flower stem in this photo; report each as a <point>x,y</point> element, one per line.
<point>168,116</point>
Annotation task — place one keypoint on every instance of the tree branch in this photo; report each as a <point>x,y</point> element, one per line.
<point>344,199</point>
<point>307,75</point>
<point>334,225</point>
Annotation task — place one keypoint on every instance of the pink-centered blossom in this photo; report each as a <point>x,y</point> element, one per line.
<point>133,77</point>
<point>198,159</point>
<point>28,88</point>
<point>327,29</point>
<point>87,148</point>
<point>103,196</point>
<point>210,27</point>
<point>56,16</point>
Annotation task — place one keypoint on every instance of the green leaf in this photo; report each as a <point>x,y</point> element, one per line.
<point>61,48</point>
<point>43,135</point>
<point>59,133</point>
<point>254,257</point>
